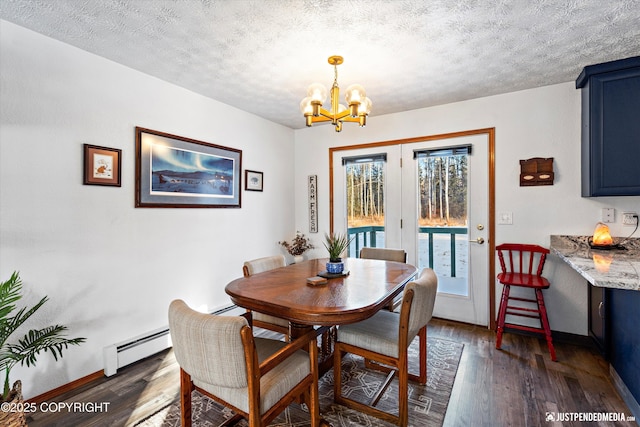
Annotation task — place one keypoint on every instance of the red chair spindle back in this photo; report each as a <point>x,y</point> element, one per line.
<point>518,252</point>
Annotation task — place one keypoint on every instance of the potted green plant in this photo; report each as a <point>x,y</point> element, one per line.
<point>27,349</point>
<point>336,244</point>
<point>298,246</point>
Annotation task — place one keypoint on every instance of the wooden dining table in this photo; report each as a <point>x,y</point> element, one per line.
<point>369,286</point>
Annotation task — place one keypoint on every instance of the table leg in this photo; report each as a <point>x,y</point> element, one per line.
<point>327,342</point>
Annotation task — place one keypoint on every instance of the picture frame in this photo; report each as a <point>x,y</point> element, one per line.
<point>102,166</point>
<point>253,180</point>
<point>177,172</point>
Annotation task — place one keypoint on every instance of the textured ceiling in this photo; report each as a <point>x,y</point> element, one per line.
<point>260,56</point>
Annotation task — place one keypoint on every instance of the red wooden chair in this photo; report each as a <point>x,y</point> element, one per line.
<point>522,266</point>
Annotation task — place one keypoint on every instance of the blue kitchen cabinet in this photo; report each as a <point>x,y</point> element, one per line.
<point>611,128</point>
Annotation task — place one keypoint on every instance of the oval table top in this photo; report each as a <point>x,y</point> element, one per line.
<point>285,293</point>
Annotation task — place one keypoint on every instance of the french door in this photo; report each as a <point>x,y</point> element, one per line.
<point>431,198</point>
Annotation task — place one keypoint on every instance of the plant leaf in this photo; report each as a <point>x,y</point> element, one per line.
<point>9,293</point>
<point>49,339</point>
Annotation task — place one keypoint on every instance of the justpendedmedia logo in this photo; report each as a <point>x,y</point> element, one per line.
<point>588,417</point>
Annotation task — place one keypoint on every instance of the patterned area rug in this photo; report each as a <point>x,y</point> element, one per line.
<point>427,404</point>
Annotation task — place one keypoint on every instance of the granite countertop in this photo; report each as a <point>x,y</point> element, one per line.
<point>615,268</point>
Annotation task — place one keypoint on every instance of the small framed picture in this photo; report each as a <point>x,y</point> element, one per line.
<point>102,165</point>
<point>252,180</point>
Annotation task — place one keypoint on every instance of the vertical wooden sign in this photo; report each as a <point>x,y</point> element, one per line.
<point>313,203</point>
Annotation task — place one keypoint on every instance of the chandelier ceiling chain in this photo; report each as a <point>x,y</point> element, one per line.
<point>356,97</point>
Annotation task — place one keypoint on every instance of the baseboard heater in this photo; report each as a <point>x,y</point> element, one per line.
<point>127,352</point>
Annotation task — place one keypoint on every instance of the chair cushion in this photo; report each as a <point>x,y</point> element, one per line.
<point>269,319</point>
<point>379,333</point>
<point>273,385</point>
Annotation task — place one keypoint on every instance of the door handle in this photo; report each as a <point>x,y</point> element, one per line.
<point>479,240</point>
<point>600,309</point>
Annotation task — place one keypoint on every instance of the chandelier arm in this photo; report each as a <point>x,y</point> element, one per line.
<point>321,119</point>
<point>344,115</point>
<point>326,116</point>
<point>348,118</point>
<point>326,113</point>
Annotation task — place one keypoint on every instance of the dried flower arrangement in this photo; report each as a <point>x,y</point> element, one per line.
<point>299,245</point>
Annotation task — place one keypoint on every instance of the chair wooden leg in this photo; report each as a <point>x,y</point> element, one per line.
<point>337,372</point>
<point>422,355</point>
<point>502,314</point>
<point>376,398</point>
<point>186,387</point>
<point>400,367</point>
<point>314,399</point>
<point>545,323</point>
<point>232,421</point>
<point>369,364</point>
<point>403,391</point>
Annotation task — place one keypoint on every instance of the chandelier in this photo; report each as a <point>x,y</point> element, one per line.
<point>356,97</point>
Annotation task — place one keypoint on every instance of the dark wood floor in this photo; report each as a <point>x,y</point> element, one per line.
<point>515,386</point>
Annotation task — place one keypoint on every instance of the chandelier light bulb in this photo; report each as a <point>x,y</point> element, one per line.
<point>365,107</point>
<point>317,92</point>
<point>305,106</point>
<point>307,109</point>
<point>355,93</point>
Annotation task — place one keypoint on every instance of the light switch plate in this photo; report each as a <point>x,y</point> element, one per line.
<point>608,214</point>
<point>505,218</point>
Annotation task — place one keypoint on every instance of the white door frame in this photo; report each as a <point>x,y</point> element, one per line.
<point>490,133</point>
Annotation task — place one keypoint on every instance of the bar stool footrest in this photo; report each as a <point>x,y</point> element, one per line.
<point>524,328</point>
<point>512,313</point>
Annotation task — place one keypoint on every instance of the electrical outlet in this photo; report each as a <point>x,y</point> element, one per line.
<point>629,218</point>
<point>608,215</point>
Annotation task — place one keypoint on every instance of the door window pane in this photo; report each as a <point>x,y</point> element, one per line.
<point>443,242</point>
<point>365,184</point>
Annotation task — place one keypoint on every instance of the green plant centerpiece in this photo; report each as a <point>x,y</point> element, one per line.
<point>26,349</point>
<point>336,244</point>
<point>298,246</point>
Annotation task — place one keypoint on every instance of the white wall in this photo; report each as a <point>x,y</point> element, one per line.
<point>543,122</point>
<point>111,269</point>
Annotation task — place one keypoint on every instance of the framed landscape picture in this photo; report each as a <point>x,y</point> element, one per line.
<point>253,180</point>
<point>102,165</point>
<point>178,172</point>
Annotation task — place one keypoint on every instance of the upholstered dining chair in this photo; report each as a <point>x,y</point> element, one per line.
<point>262,320</point>
<point>255,377</point>
<point>384,339</point>
<point>398,255</point>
